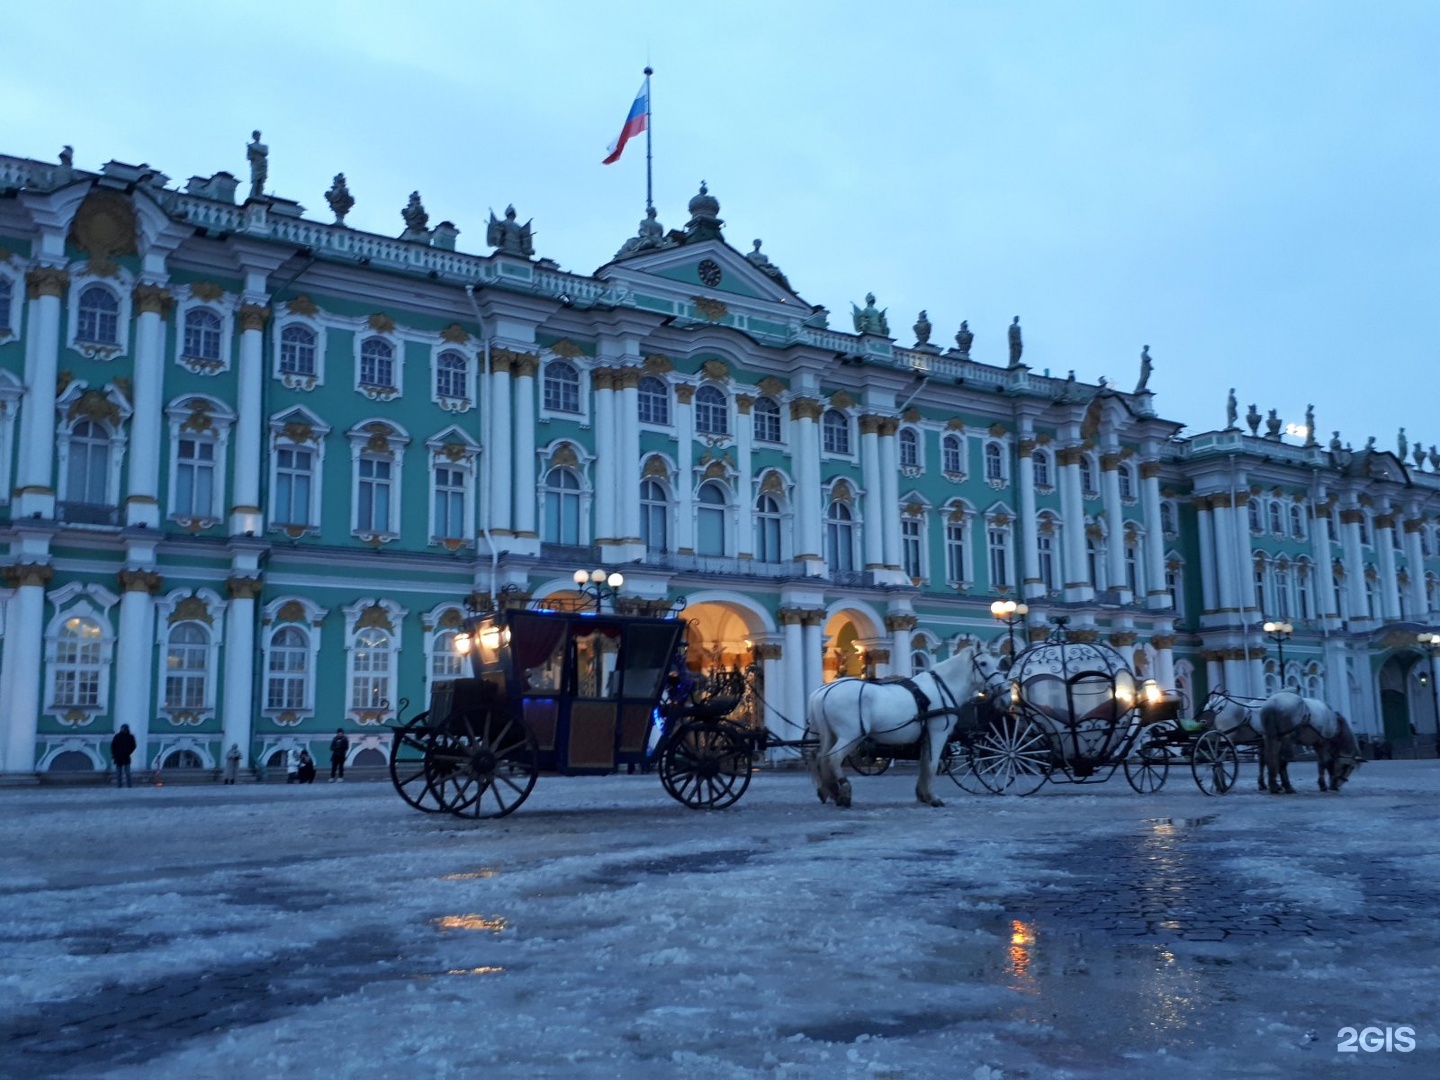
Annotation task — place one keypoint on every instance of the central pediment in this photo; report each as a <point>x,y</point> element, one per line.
<point>710,266</point>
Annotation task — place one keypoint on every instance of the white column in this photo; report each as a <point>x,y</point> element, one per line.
<point>1225,557</point>
<point>1354,562</point>
<point>1245,572</point>
<point>1156,595</point>
<point>142,505</point>
<point>238,703</point>
<point>1415,561</point>
<point>684,467</point>
<point>1164,646</point>
<point>1322,587</point>
<point>890,492</point>
<point>805,453</point>
<point>1078,586</point>
<point>793,669</point>
<point>900,627</point>
<point>1389,585</point>
<point>1214,676</point>
<point>745,496</point>
<point>1115,522</point>
<point>525,482</point>
<point>1029,546</point>
<point>627,384</point>
<point>497,445</point>
<point>246,515</point>
<point>35,479</point>
<point>24,640</point>
<point>1209,569</point>
<point>607,475</point>
<point>1237,675</point>
<point>814,650</point>
<point>773,677</point>
<point>134,655</point>
<point>870,477</point>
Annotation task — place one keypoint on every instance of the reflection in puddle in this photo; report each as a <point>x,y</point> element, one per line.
<point>494,923</point>
<point>1022,942</point>
<point>1165,825</point>
<point>476,971</point>
<point>472,875</point>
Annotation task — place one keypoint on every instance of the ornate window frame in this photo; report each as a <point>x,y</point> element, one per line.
<point>1050,526</point>
<point>308,617</point>
<point>299,429</point>
<point>996,463</point>
<point>396,344</point>
<point>305,318</point>
<point>453,449</point>
<point>199,607</point>
<point>839,493</point>
<point>92,601</point>
<point>840,424</point>
<point>756,412</point>
<point>1042,458</point>
<point>449,402</point>
<point>959,451</point>
<point>916,512</point>
<point>668,423</point>
<point>222,307</point>
<point>12,308</point>
<point>1000,540</point>
<point>667,502</point>
<point>959,519</point>
<point>383,616</point>
<point>917,436</point>
<point>202,417</point>
<point>110,410</point>
<point>12,392</point>
<point>774,484</point>
<point>119,284</point>
<point>583,391</point>
<point>565,454</point>
<point>377,440</point>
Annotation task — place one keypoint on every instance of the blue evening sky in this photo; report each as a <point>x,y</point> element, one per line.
<point>1247,187</point>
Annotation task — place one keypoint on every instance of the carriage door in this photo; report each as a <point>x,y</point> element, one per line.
<point>595,696</point>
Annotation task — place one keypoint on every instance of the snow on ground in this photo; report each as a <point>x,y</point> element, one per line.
<point>605,931</point>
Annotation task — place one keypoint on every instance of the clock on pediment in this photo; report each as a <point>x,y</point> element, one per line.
<point>710,272</point>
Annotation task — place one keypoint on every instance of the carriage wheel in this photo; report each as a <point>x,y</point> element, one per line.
<point>958,763</point>
<point>706,765</point>
<point>1214,763</point>
<point>486,767</point>
<point>866,761</point>
<point>407,765</point>
<point>1148,769</point>
<point>1012,757</point>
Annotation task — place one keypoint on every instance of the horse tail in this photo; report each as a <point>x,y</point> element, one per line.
<point>816,724</point>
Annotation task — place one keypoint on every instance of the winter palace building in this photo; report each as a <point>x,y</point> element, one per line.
<point>252,465</point>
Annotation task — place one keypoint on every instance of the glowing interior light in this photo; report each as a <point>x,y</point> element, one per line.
<point>462,642</point>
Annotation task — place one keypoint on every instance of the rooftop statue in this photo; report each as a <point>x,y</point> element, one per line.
<point>1272,425</point>
<point>1144,370</point>
<point>1253,418</point>
<point>339,198</point>
<point>650,237</point>
<point>964,338</point>
<point>922,330</point>
<point>868,320</point>
<point>1232,410</point>
<point>416,219</point>
<point>508,235</point>
<point>259,155</point>
<point>1370,445</point>
<point>761,261</point>
<point>67,156</point>
<point>1335,446</point>
<point>1419,456</point>
<point>1067,392</point>
<point>1310,439</point>
<point>1404,444</point>
<point>1434,458</point>
<point>1016,345</point>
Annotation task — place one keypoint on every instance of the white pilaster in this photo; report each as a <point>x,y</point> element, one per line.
<point>1029,545</point>
<point>1156,595</point>
<point>142,505</point>
<point>1078,586</point>
<point>628,420</point>
<point>889,493</point>
<point>805,453</point>
<point>684,467</point>
<point>900,627</point>
<point>1354,562</point>
<point>498,446</point>
<point>793,667</point>
<point>814,651</point>
<point>1115,522</point>
<point>134,648</point>
<point>238,702</point>
<point>1388,585</point>
<point>745,496</point>
<point>1209,569</point>
<point>246,516</point>
<point>35,481</point>
<point>607,472</point>
<point>1322,588</point>
<point>1227,591</point>
<point>1415,562</point>
<point>524,424</point>
<point>24,640</point>
<point>870,477</point>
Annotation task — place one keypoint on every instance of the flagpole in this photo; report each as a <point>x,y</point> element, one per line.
<point>649,201</point>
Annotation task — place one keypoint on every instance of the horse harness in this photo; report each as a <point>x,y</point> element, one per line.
<point>922,699</point>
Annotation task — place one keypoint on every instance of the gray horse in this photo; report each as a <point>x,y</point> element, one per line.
<point>1288,719</point>
<point>1238,719</point>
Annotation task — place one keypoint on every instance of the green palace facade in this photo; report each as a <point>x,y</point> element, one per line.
<point>253,465</point>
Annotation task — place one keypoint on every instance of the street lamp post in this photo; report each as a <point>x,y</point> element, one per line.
<point>598,586</point>
<point>1279,633</point>
<point>1010,613</point>
<point>1431,643</point>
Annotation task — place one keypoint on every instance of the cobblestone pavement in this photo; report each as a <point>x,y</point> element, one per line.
<point>1078,933</point>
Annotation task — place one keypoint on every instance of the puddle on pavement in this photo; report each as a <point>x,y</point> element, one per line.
<point>476,971</point>
<point>493,923</point>
<point>1163,823</point>
<point>478,874</point>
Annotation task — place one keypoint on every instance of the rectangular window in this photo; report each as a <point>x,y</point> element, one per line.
<point>1045,546</point>
<point>1174,588</point>
<point>294,474</point>
<point>286,684</point>
<point>372,512</point>
<point>955,552</point>
<point>195,478</point>
<point>999,557</point>
<point>910,533</point>
<point>449,503</point>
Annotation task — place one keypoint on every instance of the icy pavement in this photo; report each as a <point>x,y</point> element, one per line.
<point>605,931</point>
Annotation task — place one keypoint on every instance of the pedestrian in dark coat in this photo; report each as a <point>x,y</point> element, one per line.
<point>339,747</point>
<point>307,768</point>
<point>122,748</point>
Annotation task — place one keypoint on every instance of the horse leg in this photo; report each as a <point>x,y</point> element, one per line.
<point>1270,763</point>
<point>930,753</point>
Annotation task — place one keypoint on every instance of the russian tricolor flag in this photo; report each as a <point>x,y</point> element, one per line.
<point>635,123</point>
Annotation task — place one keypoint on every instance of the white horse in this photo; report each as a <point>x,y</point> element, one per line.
<point>1287,718</point>
<point>846,711</point>
<point>1238,719</point>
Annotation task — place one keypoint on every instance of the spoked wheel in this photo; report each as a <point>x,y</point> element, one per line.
<point>867,761</point>
<point>485,767</point>
<point>1013,756</point>
<point>706,765</point>
<point>1147,768</point>
<point>407,764</point>
<point>958,763</point>
<point>1214,763</point>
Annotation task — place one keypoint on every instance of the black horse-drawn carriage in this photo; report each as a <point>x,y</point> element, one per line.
<point>574,692</point>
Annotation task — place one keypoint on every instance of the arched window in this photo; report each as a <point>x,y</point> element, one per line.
<point>1041,461</point>
<point>767,529</point>
<point>452,375</point>
<point>370,683</point>
<point>1046,540</point>
<point>445,662</point>
<point>79,660</point>
<point>377,363</point>
<point>654,516</point>
<point>202,334</point>
<point>952,456</point>
<point>994,462</point>
<point>1087,476</point>
<point>288,672</point>
<point>711,411</point>
<point>1365,529</point>
<point>98,322</point>
<point>1304,605</point>
<point>997,542</point>
<point>920,660</point>
<point>1127,481</point>
<point>840,537</point>
<point>1095,562</point>
<point>562,507</point>
<point>710,519</point>
<point>912,547</point>
<point>449,522</point>
<point>562,387</point>
<point>1277,519</point>
<point>1257,518</point>
<point>87,472</point>
<point>909,448</point>
<point>654,401</point>
<point>186,666</point>
<point>297,350</point>
<point>766,416</point>
<point>1167,517</point>
<point>1133,563</point>
<point>835,429</point>
<point>1297,521</point>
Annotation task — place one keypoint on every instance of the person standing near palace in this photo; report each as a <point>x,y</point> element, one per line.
<point>339,747</point>
<point>122,748</point>
<point>232,764</point>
